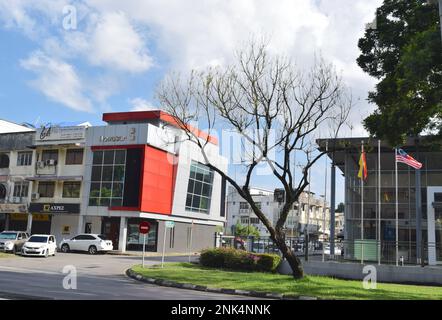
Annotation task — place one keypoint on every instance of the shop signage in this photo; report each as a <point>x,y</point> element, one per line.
<point>24,217</point>
<point>12,208</point>
<point>61,133</point>
<point>130,137</point>
<point>54,208</point>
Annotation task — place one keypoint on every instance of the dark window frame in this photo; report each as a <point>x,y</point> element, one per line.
<point>45,185</point>
<point>69,184</point>
<point>24,158</point>
<point>74,156</point>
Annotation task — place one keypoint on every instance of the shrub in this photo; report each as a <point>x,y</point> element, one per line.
<point>213,257</point>
<point>240,260</point>
<point>268,262</point>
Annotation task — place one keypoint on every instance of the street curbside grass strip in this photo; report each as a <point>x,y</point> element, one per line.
<point>257,294</point>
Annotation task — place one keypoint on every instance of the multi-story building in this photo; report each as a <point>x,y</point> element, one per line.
<point>298,221</point>
<point>108,179</point>
<point>140,167</point>
<point>400,213</point>
<point>57,180</point>
<point>16,165</point>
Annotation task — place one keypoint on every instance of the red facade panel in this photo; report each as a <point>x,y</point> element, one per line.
<point>158,182</point>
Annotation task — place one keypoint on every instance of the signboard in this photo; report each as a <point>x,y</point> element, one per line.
<point>170,224</point>
<point>144,227</point>
<point>54,208</point>
<point>12,208</point>
<point>35,217</point>
<point>60,133</point>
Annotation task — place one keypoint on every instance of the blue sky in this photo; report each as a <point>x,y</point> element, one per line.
<point>112,58</point>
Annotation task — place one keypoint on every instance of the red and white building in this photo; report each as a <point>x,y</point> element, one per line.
<point>140,167</point>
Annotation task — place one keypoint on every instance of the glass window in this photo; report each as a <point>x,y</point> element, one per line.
<point>199,189</point>
<point>71,189</point>
<point>109,157</point>
<point>98,157</point>
<point>243,205</point>
<point>46,189</point>
<point>4,161</point>
<point>21,189</point>
<point>49,155</point>
<point>107,178</point>
<point>74,156</point>
<point>24,158</point>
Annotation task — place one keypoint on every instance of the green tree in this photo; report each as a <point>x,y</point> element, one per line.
<point>244,231</point>
<point>404,52</point>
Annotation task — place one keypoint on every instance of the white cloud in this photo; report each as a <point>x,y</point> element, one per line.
<point>140,104</point>
<point>116,35</point>
<point>116,44</point>
<point>57,80</point>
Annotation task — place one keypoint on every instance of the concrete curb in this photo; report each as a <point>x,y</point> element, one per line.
<point>257,294</point>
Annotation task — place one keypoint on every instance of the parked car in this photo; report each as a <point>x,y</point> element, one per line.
<point>92,243</point>
<point>12,241</point>
<point>40,245</point>
<point>327,250</point>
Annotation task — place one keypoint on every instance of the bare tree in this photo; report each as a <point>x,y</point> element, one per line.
<point>276,108</point>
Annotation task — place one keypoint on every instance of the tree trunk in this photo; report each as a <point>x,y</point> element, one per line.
<point>292,259</point>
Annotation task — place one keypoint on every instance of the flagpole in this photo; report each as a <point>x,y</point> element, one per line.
<point>379,202</point>
<point>324,209</point>
<point>397,208</point>
<point>362,207</point>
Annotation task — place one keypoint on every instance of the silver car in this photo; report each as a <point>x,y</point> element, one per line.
<point>12,241</point>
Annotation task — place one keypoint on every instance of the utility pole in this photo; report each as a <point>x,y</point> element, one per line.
<point>306,232</point>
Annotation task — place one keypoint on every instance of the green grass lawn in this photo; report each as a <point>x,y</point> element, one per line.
<point>317,286</point>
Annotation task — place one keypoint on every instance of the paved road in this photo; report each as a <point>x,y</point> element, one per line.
<point>98,277</point>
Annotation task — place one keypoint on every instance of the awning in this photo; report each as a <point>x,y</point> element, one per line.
<point>55,178</point>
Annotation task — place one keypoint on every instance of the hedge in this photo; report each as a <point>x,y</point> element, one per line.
<point>240,260</point>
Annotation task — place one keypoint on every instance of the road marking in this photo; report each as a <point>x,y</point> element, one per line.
<point>85,275</point>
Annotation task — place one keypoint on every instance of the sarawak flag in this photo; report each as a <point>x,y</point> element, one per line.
<point>362,174</point>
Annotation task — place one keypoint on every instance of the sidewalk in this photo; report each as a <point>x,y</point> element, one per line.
<point>151,254</point>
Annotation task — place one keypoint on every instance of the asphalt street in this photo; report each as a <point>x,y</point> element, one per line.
<point>99,277</point>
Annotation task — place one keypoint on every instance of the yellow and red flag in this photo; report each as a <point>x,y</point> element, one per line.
<point>363,173</point>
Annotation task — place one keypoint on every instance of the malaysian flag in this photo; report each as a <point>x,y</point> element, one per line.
<point>402,156</point>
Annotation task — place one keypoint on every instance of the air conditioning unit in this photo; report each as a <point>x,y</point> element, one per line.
<point>51,162</point>
<point>16,199</point>
<point>35,196</point>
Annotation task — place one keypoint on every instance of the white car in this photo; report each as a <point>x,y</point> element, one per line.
<point>327,250</point>
<point>40,245</point>
<point>92,243</point>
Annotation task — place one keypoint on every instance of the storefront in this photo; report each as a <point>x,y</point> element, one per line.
<point>59,219</point>
<point>13,216</point>
<point>2,221</point>
<point>135,238</point>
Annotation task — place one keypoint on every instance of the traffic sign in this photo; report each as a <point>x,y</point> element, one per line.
<point>144,227</point>
<point>170,224</point>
